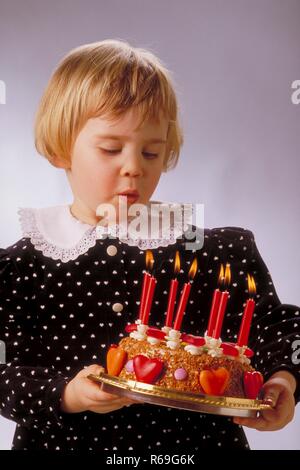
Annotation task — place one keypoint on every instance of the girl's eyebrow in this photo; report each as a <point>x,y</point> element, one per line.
<point>124,137</point>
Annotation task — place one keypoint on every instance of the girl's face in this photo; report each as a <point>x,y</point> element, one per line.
<point>110,157</point>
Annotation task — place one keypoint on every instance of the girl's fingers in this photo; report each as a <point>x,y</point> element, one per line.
<point>275,418</point>
<point>104,410</point>
<point>93,390</point>
<point>95,369</point>
<point>269,420</point>
<point>110,402</point>
<point>256,423</point>
<point>98,397</point>
<point>96,408</point>
<point>106,396</point>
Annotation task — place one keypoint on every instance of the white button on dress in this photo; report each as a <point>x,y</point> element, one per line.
<point>117,307</point>
<point>112,250</point>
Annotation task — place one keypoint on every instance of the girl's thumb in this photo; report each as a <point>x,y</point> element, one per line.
<point>95,369</point>
<point>271,395</point>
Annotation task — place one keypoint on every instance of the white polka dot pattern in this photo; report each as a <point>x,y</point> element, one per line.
<point>57,317</point>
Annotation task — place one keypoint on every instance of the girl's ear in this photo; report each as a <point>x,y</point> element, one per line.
<point>60,163</point>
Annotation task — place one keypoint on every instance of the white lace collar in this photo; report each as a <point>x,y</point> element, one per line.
<point>61,236</point>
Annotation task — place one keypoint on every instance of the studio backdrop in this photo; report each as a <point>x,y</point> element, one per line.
<point>235,66</point>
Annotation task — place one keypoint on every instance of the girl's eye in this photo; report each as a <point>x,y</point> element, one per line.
<point>151,155</point>
<point>110,151</point>
<point>147,154</point>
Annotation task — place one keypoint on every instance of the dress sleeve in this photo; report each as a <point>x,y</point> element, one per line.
<point>275,328</point>
<point>30,394</point>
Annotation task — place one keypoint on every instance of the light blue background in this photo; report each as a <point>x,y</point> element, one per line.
<point>233,62</point>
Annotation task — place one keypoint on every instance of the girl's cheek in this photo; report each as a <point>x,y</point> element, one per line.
<point>155,179</point>
<point>86,179</point>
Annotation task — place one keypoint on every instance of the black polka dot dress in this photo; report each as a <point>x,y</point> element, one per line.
<point>61,308</point>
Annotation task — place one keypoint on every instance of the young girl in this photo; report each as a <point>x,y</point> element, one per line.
<point>71,284</point>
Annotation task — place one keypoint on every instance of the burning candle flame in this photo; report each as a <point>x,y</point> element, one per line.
<point>227,279</point>
<point>221,275</point>
<point>149,260</point>
<point>193,269</point>
<point>225,275</point>
<point>251,285</point>
<point>177,263</point>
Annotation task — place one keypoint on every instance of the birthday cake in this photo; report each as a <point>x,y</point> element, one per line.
<point>184,364</point>
<point>172,359</point>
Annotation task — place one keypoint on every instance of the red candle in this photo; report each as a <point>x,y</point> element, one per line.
<point>182,305</point>
<point>171,302</point>
<point>149,300</point>
<point>220,315</point>
<point>224,280</point>
<point>213,312</point>
<point>146,283</point>
<point>144,294</point>
<point>246,323</point>
<point>247,315</point>
<point>173,292</point>
<point>185,296</point>
<point>215,304</point>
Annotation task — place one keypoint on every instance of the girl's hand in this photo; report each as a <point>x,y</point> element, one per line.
<point>279,391</point>
<point>81,394</point>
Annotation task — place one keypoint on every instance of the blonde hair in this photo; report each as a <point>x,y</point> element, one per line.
<point>105,78</point>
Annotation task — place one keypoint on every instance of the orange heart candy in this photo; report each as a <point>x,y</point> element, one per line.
<point>214,381</point>
<point>115,360</point>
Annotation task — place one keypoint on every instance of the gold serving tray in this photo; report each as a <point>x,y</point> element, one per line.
<point>156,395</point>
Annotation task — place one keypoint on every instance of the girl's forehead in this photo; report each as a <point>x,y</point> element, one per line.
<point>126,125</point>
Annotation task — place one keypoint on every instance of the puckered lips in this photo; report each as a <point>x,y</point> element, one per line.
<point>131,194</point>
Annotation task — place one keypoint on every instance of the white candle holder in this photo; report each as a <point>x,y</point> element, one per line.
<point>153,340</point>
<point>213,345</point>
<point>141,330</point>
<point>242,357</point>
<point>173,339</point>
<point>166,329</point>
<point>193,350</point>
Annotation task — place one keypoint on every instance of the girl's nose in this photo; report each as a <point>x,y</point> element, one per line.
<point>132,165</point>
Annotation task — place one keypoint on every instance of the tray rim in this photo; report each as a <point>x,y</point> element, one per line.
<point>155,394</point>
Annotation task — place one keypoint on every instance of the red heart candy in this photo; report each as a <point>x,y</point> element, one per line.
<point>147,370</point>
<point>253,382</point>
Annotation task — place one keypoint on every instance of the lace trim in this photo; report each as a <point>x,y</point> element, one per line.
<point>119,232</point>
<point>29,228</point>
<point>28,222</point>
<point>163,237</point>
